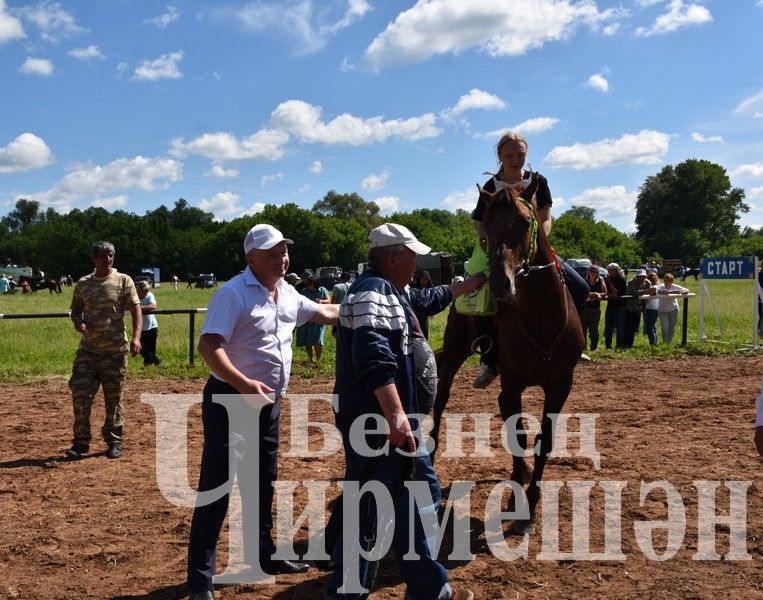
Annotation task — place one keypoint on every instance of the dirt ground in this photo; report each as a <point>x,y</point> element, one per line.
<point>99,528</point>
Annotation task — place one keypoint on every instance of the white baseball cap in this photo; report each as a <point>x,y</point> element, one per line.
<point>641,273</point>
<point>263,237</point>
<point>390,234</point>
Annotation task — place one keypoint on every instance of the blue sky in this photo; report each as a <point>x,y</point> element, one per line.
<point>129,104</point>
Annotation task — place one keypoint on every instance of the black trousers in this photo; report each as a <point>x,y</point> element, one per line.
<point>148,346</point>
<point>252,474</point>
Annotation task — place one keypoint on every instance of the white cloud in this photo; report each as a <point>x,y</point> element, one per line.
<point>346,65</point>
<point>375,182</point>
<point>255,208</point>
<point>679,15</point>
<point>476,100</point>
<point>598,82</point>
<point>265,144</point>
<point>713,139</point>
<point>10,26</point>
<point>530,126</point>
<point>496,27</point>
<point>25,153</point>
<point>644,148</point>
<point>748,104</point>
<point>163,20</point>
<point>266,179</point>
<point>111,203</point>
<point>88,53</point>
<point>356,10</point>
<point>304,120</point>
<point>464,199</point>
<point>316,167</point>
<point>143,173</point>
<point>222,172</point>
<point>609,202</point>
<point>307,22</point>
<point>223,205</point>
<point>748,170</point>
<point>756,192</point>
<point>387,204</point>
<point>610,29</point>
<point>36,66</point>
<point>51,19</point>
<point>164,67</point>
<point>303,188</point>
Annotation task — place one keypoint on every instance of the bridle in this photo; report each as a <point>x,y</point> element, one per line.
<point>525,268</point>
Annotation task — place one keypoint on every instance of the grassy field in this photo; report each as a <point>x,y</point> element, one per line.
<point>40,348</point>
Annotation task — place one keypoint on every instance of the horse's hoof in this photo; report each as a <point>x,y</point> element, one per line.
<point>523,527</point>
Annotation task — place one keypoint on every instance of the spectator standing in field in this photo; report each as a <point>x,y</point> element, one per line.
<point>150,325</point>
<point>591,315</point>
<point>5,285</point>
<point>651,309</point>
<point>614,316</point>
<point>175,280</point>
<point>635,288</point>
<point>99,303</point>
<point>246,342</point>
<point>310,335</point>
<point>339,291</point>
<point>668,306</point>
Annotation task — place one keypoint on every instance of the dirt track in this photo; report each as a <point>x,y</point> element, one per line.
<point>98,528</point>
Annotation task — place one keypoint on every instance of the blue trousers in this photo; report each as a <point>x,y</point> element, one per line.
<point>426,579</point>
<point>207,520</point>
<point>650,324</point>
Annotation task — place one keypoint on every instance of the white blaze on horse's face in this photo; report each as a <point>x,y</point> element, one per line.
<point>508,222</point>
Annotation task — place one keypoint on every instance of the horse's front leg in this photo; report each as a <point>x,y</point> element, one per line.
<point>510,404</point>
<point>556,396</point>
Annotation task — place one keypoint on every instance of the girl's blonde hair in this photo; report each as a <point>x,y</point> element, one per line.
<point>510,136</point>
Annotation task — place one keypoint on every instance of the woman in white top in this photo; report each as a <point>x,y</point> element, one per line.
<point>150,325</point>
<point>668,306</point>
<point>651,309</point>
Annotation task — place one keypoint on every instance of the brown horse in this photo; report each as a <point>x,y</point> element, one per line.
<point>538,331</point>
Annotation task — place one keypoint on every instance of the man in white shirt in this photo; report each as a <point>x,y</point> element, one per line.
<point>246,341</point>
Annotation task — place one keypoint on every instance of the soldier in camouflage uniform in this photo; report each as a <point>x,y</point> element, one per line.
<point>99,303</point>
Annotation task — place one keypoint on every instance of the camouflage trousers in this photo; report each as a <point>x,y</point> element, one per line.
<point>90,371</point>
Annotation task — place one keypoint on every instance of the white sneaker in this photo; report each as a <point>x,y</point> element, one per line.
<point>584,357</point>
<point>485,378</point>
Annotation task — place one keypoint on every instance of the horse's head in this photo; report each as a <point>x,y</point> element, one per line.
<point>512,228</point>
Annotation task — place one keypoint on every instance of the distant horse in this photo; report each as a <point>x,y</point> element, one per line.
<point>538,331</point>
<point>39,283</point>
<point>692,271</point>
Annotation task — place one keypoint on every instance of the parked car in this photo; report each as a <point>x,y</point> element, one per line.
<point>206,280</point>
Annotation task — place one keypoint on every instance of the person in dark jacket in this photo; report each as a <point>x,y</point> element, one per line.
<point>614,316</point>
<point>379,349</point>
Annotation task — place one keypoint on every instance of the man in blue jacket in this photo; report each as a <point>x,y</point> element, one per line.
<point>376,379</point>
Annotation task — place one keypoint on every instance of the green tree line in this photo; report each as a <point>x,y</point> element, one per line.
<point>687,211</point>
